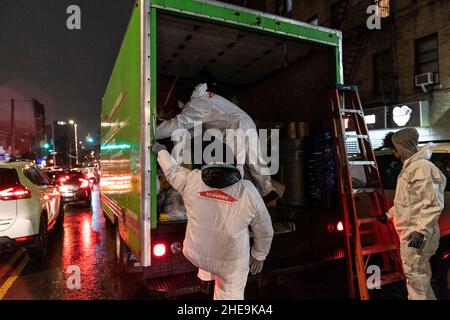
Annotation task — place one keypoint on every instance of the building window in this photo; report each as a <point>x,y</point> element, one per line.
<point>427,55</point>
<point>382,75</point>
<point>314,20</point>
<point>384,7</point>
<point>284,7</point>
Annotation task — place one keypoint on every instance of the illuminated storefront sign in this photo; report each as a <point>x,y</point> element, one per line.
<point>413,114</point>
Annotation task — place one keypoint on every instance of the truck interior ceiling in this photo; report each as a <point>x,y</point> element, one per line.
<point>275,79</point>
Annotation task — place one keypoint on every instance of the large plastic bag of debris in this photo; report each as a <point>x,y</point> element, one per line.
<point>172,206</point>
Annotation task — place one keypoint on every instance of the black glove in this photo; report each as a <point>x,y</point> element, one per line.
<point>157,147</point>
<point>270,197</point>
<point>255,266</point>
<point>415,240</point>
<point>383,218</point>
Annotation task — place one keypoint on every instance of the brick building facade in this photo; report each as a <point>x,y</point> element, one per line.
<point>414,39</point>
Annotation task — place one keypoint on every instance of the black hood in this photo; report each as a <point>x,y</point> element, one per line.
<point>220,177</point>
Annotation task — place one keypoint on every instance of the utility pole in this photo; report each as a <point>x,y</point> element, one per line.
<point>76,140</point>
<point>76,144</point>
<point>13,128</point>
<point>53,143</point>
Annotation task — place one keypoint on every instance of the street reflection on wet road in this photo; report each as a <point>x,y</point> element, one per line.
<point>80,264</point>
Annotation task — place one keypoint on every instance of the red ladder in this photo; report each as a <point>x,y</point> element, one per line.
<point>367,240</point>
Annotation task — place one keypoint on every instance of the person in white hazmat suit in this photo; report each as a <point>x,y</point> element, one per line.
<point>418,203</point>
<point>220,207</point>
<point>217,112</point>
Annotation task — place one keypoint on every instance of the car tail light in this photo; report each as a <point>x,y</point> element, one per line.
<point>159,250</point>
<point>62,179</point>
<point>14,193</point>
<point>84,183</point>
<point>340,226</point>
<point>22,239</point>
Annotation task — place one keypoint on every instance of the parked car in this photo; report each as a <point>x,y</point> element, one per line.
<point>92,174</point>
<point>30,206</point>
<point>390,168</point>
<point>51,174</point>
<point>74,186</point>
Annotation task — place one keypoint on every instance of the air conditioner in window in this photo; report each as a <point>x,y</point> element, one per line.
<point>426,79</point>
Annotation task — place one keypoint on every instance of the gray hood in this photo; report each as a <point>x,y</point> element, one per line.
<point>406,141</point>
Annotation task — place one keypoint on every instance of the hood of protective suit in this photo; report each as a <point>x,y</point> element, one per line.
<point>406,141</point>
<point>424,153</point>
<point>220,175</point>
<point>200,90</point>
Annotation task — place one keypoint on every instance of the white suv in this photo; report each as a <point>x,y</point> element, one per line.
<point>29,207</point>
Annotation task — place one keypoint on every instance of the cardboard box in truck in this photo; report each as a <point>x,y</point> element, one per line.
<point>278,70</point>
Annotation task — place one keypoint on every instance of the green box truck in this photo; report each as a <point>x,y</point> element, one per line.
<point>280,70</point>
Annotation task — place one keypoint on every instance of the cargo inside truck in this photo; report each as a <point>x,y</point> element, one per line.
<point>281,82</point>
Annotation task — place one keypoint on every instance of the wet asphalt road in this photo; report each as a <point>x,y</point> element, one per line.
<point>87,245</point>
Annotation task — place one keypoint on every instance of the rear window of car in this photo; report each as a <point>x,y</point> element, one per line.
<point>8,177</point>
<point>390,168</point>
<point>71,176</point>
<point>442,161</point>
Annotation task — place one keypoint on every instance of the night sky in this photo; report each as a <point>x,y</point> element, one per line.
<point>66,70</point>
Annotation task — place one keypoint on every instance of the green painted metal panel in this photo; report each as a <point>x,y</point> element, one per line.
<point>250,19</point>
<point>338,65</point>
<point>153,106</point>
<point>120,148</point>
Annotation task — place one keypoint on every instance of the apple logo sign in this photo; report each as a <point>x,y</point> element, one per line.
<point>401,115</point>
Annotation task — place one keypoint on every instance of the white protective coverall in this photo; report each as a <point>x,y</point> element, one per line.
<point>418,202</point>
<point>217,112</point>
<point>217,236</point>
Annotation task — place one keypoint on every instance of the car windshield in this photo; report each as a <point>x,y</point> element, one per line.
<point>65,177</point>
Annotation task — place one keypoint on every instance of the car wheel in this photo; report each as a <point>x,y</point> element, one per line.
<point>443,272</point>
<point>40,251</point>
<point>121,250</point>
<point>59,226</point>
<point>87,202</point>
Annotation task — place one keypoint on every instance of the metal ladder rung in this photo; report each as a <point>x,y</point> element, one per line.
<point>361,163</point>
<point>366,190</point>
<point>346,88</point>
<point>357,136</point>
<point>366,220</point>
<point>391,278</point>
<point>351,111</point>
<point>378,248</point>
<point>368,231</point>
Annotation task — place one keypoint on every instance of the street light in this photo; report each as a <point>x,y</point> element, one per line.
<point>76,140</point>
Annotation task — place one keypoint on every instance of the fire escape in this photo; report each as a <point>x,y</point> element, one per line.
<point>351,16</point>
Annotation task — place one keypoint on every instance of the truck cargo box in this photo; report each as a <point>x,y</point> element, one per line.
<point>278,71</point>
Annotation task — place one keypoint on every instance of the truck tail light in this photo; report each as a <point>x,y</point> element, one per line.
<point>14,193</point>
<point>84,183</point>
<point>159,250</point>
<point>340,226</point>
